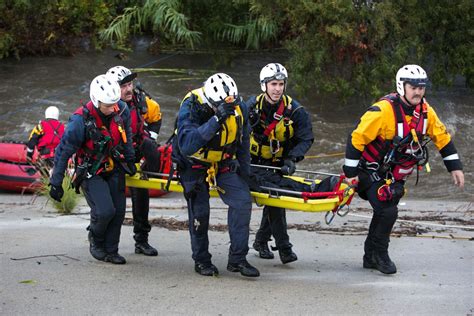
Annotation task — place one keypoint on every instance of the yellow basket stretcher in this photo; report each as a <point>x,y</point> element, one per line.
<point>330,202</point>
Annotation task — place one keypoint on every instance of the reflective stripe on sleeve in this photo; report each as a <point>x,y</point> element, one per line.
<point>351,162</point>
<point>451,157</point>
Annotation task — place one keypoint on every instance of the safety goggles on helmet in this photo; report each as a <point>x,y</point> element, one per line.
<point>421,82</point>
<point>280,76</point>
<point>277,76</point>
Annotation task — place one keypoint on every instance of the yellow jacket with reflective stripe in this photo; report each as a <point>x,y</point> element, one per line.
<point>383,123</point>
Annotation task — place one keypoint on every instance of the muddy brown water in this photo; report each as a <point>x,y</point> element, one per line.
<point>32,84</point>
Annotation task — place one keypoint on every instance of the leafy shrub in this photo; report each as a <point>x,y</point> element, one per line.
<point>68,201</point>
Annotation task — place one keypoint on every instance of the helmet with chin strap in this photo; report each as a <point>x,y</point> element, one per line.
<point>412,74</point>
<point>220,88</point>
<point>272,71</point>
<point>104,89</point>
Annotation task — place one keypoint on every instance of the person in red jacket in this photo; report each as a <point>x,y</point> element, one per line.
<point>46,136</point>
<point>145,123</point>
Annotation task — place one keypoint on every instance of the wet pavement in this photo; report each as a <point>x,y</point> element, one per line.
<point>46,267</point>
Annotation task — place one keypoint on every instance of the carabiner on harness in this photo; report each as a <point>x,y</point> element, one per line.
<point>109,164</point>
<point>211,178</point>
<point>274,146</point>
<point>328,219</point>
<point>372,165</point>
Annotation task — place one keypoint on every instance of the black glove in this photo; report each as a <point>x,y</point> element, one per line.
<point>251,180</point>
<point>132,168</point>
<point>141,100</point>
<point>254,118</point>
<point>224,110</point>
<point>56,192</point>
<point>288,167</point>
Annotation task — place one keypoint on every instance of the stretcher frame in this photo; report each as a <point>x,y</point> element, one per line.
<point>330,202</point>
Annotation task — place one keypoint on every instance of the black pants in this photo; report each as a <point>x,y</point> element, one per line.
<point>274,223</point>
<point>274,218</point>
<point>140,209</point>
<point>274,179</point>
<point>141,197</point>
<point>384,217</point>
<point>105,195</point>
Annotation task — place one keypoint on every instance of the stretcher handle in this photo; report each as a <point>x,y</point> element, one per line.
<point>337,210</point>
<point>281,190</point>
<point>156,174</point>
<point>297,170</point>
<point>305,195</point>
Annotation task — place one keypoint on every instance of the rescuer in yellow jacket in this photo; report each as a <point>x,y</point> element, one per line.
<point>388,144</point>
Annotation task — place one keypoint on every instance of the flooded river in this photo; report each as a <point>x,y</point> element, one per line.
<point>31,84</point>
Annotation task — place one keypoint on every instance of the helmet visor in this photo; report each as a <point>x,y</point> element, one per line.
<point>422,82</point>
<point>128,78</point>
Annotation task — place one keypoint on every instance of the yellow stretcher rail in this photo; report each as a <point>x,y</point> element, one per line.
<point>333,202</point>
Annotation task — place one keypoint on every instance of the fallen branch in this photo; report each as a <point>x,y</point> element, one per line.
<point>44,256</point>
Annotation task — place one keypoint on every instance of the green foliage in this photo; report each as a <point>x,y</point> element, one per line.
<point>253,32</point>
<point>163,17</point>
<point>356,47</point>
<point>68,201</point>
<point>50,26</point>
<point>257,27</point>
<point>202,23</point>
<point>6,42</point>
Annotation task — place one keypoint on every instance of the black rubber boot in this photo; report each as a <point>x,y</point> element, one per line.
<point>245,269</point>
<point>263,250</point>
<point>97,251</point>
<point>146,249</point>
<point>368,261</point>
<point>115,258</point>
<point>206,269</point>
<point>287,255</point>
<point>383,263</point>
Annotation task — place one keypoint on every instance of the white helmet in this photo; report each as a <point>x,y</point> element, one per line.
<point>121,74</point>
<point>52,112</point>
<point>105,90</point>
<point>218,87</point>
<point>412,74</point>
<point>272,71</point>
